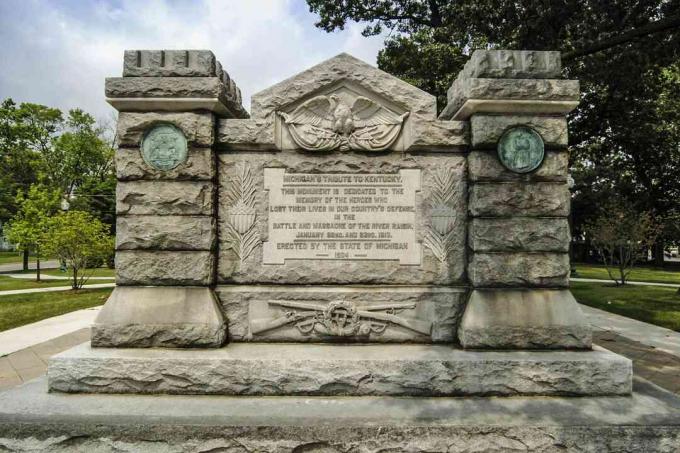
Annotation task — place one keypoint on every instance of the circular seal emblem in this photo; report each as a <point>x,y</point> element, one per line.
<point>164,147</point>
<point>521,150</point>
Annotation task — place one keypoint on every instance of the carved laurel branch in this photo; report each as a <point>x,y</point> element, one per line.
<point>242,236</point>
<point>443,189</point>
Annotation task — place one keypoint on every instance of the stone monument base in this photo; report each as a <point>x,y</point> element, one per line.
<point>340,370</point>
<point>33,420</point>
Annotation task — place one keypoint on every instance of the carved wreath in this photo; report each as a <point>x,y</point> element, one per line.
<point>440,235</point>
<point>325,123</point>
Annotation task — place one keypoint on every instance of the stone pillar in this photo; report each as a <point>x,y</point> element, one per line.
<point>518,233</point>
<point>169,102</point>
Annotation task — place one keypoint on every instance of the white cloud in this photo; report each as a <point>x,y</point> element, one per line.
<point>58,53</point>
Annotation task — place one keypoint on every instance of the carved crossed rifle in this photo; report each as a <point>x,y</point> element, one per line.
<point>340,318</point>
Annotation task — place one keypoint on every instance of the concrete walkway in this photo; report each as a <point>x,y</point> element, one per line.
<point>16,267</point>
<point>656,337</point>
<point>597,280</point>
<point>23,337</point>
<point>54,288</point>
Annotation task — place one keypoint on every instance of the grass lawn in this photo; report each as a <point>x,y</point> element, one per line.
<point>653,304</point>
<point>9,283</point>
<point>10,257</point>
<point>640,274</point>
<point>24,309</point>
<point>99,272</point>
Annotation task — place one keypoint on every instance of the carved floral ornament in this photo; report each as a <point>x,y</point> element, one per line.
<point>326,123</point>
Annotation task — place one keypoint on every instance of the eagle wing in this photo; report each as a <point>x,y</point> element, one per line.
<point>368,113</point>
<point>314,112</point>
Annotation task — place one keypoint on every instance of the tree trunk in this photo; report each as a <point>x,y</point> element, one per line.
<point>658,253</point>
<point>37,268</point>
<point>25,260</point>
<point>74,285</point>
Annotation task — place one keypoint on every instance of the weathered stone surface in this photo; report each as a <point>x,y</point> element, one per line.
<point>165,198</point>
<point>170,63</point>
<point>160,317</point>
<point>535,90</point>
<point>486,130</point>
<point>439,135</point>
<point>165,232</point>
<point>519,270</point>
<point>248,306</point>
<point>183,87</point>
<point>343,68</point>
<point>513,64</point>
<point>519,199</point>
<point>130,166</point>
<point>524,319</point>
<point>197,127</point>
<point>519,234</point>
<point>350,370</point>
<point>442,266</point>
<point>164,268</point>
<point>33,420</point>
<point>239,134</point>
<point>485,166</point>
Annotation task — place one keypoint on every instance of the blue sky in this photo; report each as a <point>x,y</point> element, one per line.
<point>58,52</point>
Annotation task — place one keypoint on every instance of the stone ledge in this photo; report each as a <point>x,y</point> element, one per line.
<point>33,420</point>
<point>359,370</point>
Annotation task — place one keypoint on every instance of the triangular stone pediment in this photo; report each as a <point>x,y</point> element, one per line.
<point>343,103</point>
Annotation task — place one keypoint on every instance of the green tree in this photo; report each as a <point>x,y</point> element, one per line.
<point>623,134</point>
<point>81,241</point>
<point>622,235</point>
<point>29,228</point>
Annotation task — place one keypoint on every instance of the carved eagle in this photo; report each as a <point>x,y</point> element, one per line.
<point>324,123</point>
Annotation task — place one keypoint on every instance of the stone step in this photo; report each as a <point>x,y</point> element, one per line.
<point>339,370</point>
<point>33,420</point>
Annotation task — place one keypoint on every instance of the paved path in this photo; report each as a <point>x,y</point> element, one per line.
<point>54,288</point>
<point>656,337</point>
<point>15,267</point>
<point>23,337</point>
<point>597,280</point>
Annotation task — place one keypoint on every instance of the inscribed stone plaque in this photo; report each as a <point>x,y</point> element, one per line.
<point>520,149</point>
<point>336,216</point>
<point>164,147</point>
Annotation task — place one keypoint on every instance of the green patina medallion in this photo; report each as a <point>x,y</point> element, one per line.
<point>521,150</point>
<point>164,147</point>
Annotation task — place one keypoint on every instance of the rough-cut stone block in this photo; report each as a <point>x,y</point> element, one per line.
<point>350,370</point>
<point>534,90</point>
<point>519,234</point>
<point>139,232</point>
<point>524,319</point>
<point>164,268</point>
<point>513,64</point>
<point>174,87</point>
<point>519,199</point>
<point>130,166</point>
<point>259,312</point>
<point>439,135</point>
<point>485,166</point>
<point>165,317</point>
<point>165,198</point>
<point>240,134</point>
<point>519,269</point>
<point>32,419</point>
<point>170,63</point>
<point>486,130</point>
<point>197,127</point>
